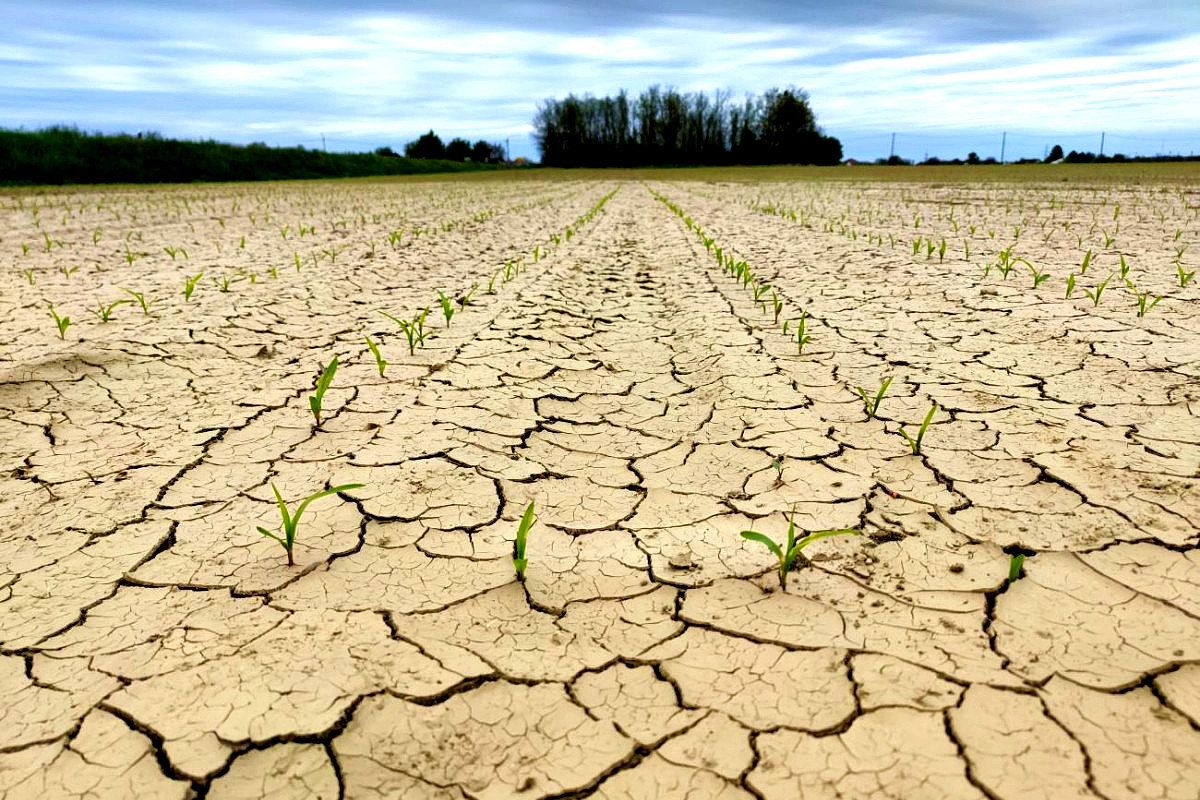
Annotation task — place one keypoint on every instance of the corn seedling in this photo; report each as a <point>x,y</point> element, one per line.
<point>447,307</point>
<point>1145,302</point>
<point>942,251</point>
<point>380,363</point>
<point>318,396</point>
<point>872,406</point>
<point>105,312</point>
<point>189,285</point>
<point>1038,277</point>
<point>792,552</point>
<point>1087,262</point>
<point>291,521</point>
<point>28,273</point>
<point>776,305</point>
<point>1014,567</point>
<point>62,322</point>
<point>68,271</point>
<point>915,443</point>
<point>1184,277</point>
<point>519,559</point>
<point>1070,285</point>
<point>1094,294</point>
<point>802,337</point>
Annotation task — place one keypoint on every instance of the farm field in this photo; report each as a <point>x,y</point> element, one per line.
<point>1016,613</point>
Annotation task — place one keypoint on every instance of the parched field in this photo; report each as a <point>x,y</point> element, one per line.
<point>1017,616</point>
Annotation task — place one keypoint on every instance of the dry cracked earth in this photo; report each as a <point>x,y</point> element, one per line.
<point>154,644</point>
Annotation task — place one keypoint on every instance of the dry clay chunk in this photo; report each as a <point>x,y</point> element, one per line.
<point>496,742</point>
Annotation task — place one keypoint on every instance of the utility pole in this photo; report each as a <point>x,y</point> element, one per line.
<point>507,154</point>
<point>892,153</point>
<point>1101,142</point>
<point>1003,142</point>
<point>323,143</point>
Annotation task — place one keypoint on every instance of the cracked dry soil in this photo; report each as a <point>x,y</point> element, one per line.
<point>152,644</point>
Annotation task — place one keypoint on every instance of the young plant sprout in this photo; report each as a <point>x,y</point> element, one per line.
<point>1094,294</point>
<point>1038,277</point>
<point>105,312</point>
<point>380,362</point>
<point>789,554</point>
<point>1124,267</point>
<point>318,395</point>
<point>140,298</point>
<point>1145,302</point>
<point>1087,262</point>
<point>1070,285</point>
<point>290,521</point>
<point>447,307</point>
<point>519,559</point>
<point>872,406</point>
<point>915,443</point>
<point>28,273</point>
<point>1014,567</point>
<point>62,322</point>
<point>802,337</point>
<point>189,285</point>
<point>1184,277</point>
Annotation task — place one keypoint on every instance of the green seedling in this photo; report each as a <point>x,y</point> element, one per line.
<point>1087,262</point>
<point>942,251</point>
<point>379,360</point>
<point>915,444</point>
<point>802,337</point>
<point>792,552</point>
<point>1124,267</point>
<point>872,406</point>
<point>68,271</point>
<point>28,273</point>
<point>318,396</point>
<point>465,299</point>
<point>1070,285</point>
<point>1038,277</point>
<point>491,288</point>
<point>410,330</point>
<point>776,305</point>
<point>1184,277</point>
<point>1145,302</point>
<point>1094,294</point>
<point>1014,567</point>
<point>105,312</point>
<point>447,307</point>
<point>291,521</point>
<point>519,559</point>
<point>189,285</point>
<point>62,322</point>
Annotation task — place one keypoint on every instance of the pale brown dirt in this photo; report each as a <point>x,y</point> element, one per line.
<point>153,644</point>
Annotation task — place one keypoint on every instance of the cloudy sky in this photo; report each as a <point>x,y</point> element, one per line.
<point>946,76</point>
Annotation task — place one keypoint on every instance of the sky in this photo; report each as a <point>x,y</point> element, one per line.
<point>945,76</point>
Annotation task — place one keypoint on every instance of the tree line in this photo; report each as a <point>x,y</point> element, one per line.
<point>665,127</point>
<point>430,145</point>
<point>63,155</point>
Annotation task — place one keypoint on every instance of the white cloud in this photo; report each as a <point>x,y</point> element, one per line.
<point>374,76</point>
